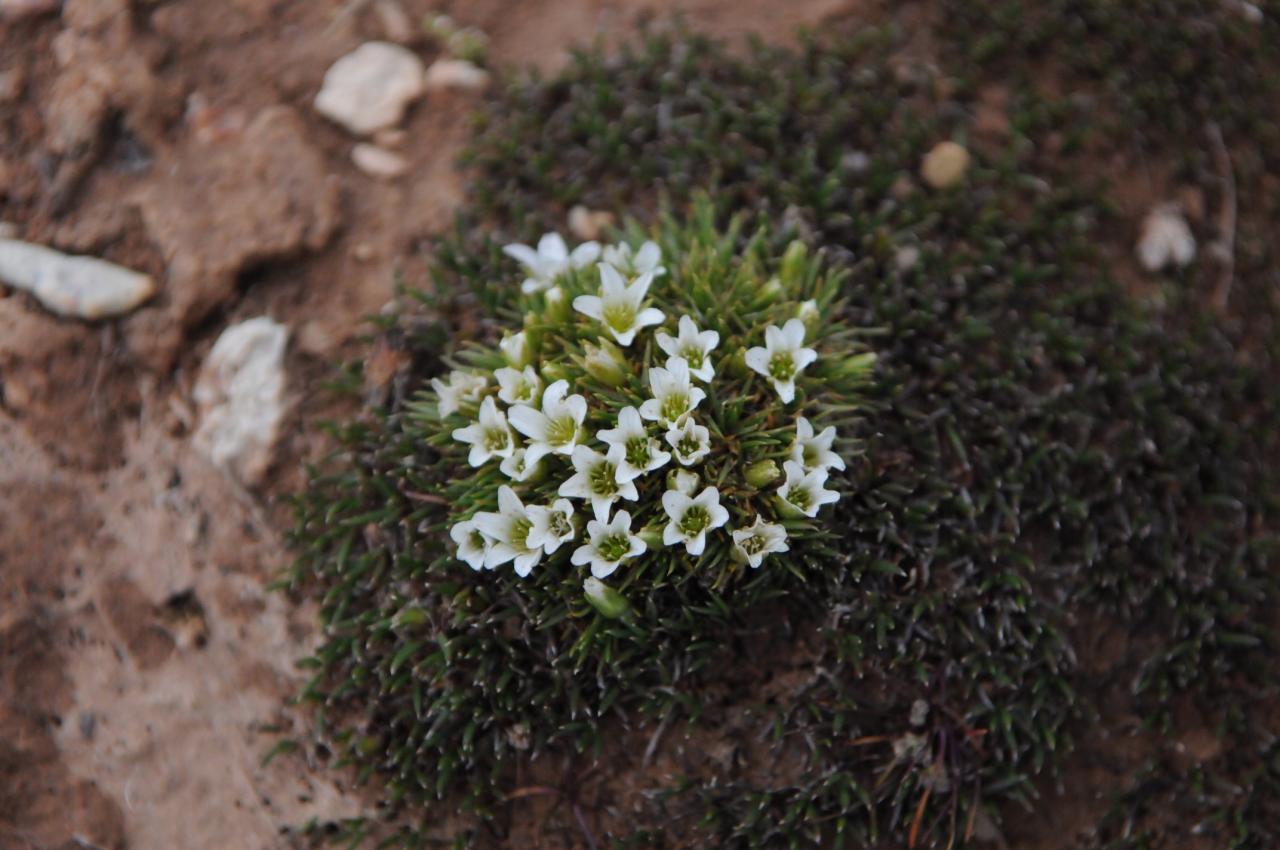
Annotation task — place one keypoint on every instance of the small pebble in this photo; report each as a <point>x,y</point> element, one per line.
<point>371,87</point>
<point>79,287</point>
<point>905,258</point>
<point>856,161</point>
<point>378,162</point>
<point>456,75</point>
<point>587,224</point>
<point>1166,239</point>
<point>395,21</point>
<point>945,165</point>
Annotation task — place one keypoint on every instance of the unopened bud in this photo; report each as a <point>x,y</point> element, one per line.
<point>606,364</point>
<point>808,313</point>
<point>557,304</point>
<point>652,537</point>
<point>762,473</point>
<point>857,367</point>
<point>771,291</point>
<point>604,598</point>
<point>793,264</point>
<point>515,347</point>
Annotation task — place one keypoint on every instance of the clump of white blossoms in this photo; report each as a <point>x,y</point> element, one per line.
<point>664,413</point>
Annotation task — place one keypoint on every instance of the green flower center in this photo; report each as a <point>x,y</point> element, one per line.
<point>477,540</point>
<point>695,521</point>
<point>693,355</point>
<point>496,439</point>
<point>620,317</point>
<point>559,524</point>
<point>674,406</point>
<point>560,432</point>
<point>614,547</point>
<point>688,445</point>
<point>754,544</point>
<point>520,533</point>
<point>799,496</point>
<point>782,366</point>
<point>522,391</point>
<point>638,452</point>
<point>604,479</point>
<point>810,456</point>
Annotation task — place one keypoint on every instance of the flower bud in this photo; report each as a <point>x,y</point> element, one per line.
<point>809,314</point>
<point>605,599</point>
<point>770,292</point>
<point>652,537</point>
<point>557,305</point>
<point>762,473</point>
<point>553,372</point>
<point>515,347</point>
<point>857,367</point>
<point>606,364</point>
<point>793,264</point>
<point>736,364</point>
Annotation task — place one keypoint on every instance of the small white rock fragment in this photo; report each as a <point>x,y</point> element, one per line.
<point>240,393</point>
<point>80,287</point>
<point>370,88</point>
<point>1166,239</point>
<point>906,258</point>
<point>395,21</point>
<point>856,161</point>
<point>378,162</point>
<point>944,166</point>
<point>456,74</point>
<point>588,225</point>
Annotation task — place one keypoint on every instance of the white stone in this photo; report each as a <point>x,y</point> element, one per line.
<point>944,165</point>
<point>240,394</point>
<point>80,287</point>
<point>370,88</point>
<point>457,74</point>
<point>1166,239</point>
<point>378,162</point>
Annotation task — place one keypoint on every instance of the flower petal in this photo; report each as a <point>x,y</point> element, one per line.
<point>590,306</point>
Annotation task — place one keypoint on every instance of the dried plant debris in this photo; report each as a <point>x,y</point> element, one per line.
<point>1030,460</point>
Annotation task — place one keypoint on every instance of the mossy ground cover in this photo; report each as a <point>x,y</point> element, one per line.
<point>1042,461</point>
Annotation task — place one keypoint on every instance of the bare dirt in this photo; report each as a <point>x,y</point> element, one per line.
<point>144,666</point>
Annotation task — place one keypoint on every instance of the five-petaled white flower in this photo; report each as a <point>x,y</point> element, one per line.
<point>689,441</point>
<point>673,394</point>
<point>461,386</point>
<point>509,531</point>
<point>516,467</point>
<point>489,437</point>
<point>694,346</point>
<point>550,260</point>
<point>516,387</point>
<point>552,525</point>
<point>620,306</point>
<point>599,479</point>
<point>473,546</point>
<point>782,358</point>
<point>803,490</point>
<point>554,429</point>
<point>813,451</point>
<point>692,517</point>
<point>762,538</point>
<point>609,544</point>
<point>647,260</point>
<point>641,453</point>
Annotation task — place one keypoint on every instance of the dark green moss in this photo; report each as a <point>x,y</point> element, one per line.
<point>1039,454</point>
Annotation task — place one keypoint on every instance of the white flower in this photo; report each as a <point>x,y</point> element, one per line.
<point>804,491</point>
<point>509,530</point>
<point>782,357</point>
<point>683,482</point>
<point>641,453</point>
<point>461,386</point>
<point>762,538</point>
<point>814,451</point>
<point>555,428</point>
<point>517,467</point>
<point>691,442</point>
<point>644,261</point>
<point>551,525</point>
<point>694,346</point>
<point>490,437</point>
<point>620,305</point>
<point>692,518</point>
<point>599,479</point>
<point>473,546</point>
<point>515,387</point>
<point>673,394</point>
<point>610,543</point>
<point>550,260</point>
<point>515,347</point>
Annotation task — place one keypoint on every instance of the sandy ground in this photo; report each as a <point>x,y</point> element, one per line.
<point>144,667</point>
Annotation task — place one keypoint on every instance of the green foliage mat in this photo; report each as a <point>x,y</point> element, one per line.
<point>1040,461</point>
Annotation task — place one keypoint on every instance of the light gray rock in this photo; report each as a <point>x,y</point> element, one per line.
<point>79,287</point>
<point>370,88</point>
<point>456,75</point>
<point>379,162</point>
<point>240,395</point>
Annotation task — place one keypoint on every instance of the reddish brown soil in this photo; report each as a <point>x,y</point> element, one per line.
<point>144,667</point>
